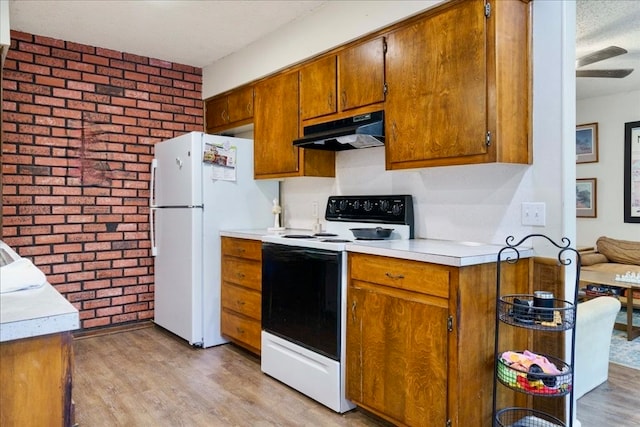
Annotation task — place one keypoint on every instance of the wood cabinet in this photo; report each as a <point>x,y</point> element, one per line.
<point>458,86</point>
<point>344,81</point>
<point>241,292</point>
<point>230,110</point>
<point>420,339</point>
<point>276,126</point>
<point>36,378</point>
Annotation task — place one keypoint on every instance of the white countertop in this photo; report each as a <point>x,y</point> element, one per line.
<point>247,234</point>
<point>35,312</point>
<point>445,252</point>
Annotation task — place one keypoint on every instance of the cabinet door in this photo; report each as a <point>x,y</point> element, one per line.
<point>362,74</point>
<point>318,88</point>
<point>217,113</point>
<point>397,354</point>
<point>240,104</point>
<point>436,105</point>
<point>276,126</point>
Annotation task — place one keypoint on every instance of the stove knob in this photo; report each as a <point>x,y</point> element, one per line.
<point>342,205</point>
<point>367,205</point>
<point>396,209</point>
<point>356,204</point>
<point>384,205</point>
<point>332,206</point>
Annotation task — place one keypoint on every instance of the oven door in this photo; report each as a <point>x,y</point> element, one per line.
<point>301,296</point>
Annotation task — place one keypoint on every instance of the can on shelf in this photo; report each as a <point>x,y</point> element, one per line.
<point>544,301</point>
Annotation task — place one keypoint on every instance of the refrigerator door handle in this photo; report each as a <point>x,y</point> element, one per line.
<point>152,227</point>
<point>152,183</point>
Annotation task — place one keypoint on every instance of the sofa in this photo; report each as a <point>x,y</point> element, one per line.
<point>594,325</point>
<point>613,256</point>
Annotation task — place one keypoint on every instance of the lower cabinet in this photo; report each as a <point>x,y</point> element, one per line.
<point>242,292</point>
<point>420,339</point>
<point>36,374</point>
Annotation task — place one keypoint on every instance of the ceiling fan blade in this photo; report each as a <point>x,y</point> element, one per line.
<point>600,55</point>
<point>618,74</point>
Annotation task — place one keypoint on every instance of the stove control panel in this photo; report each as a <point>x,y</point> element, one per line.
<point>395,209</point>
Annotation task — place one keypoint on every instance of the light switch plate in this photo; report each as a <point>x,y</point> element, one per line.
<point>533,213</point>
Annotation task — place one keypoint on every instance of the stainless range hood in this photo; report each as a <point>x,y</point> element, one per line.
<point>362,131</point>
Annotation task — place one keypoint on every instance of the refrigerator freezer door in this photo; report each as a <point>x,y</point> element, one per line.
<point>178,173</point>
<point>178,272</point>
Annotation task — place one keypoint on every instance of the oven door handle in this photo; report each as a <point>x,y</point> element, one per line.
<point>322,256</point>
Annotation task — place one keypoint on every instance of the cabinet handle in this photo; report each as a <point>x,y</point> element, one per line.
<point>353,311</point>
<point>330,100</point>
<point>224,115</point>
<point>393,131</point>
<point>344,98</point>
<point>249,108</point>
<point>394,276</point>
<point>240,302</point>
<point>240,250</point>
<point>240,275</point>
<point>240,330</point>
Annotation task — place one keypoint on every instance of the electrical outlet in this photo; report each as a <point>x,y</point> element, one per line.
<point>314,209</point>
<point>534,214</point>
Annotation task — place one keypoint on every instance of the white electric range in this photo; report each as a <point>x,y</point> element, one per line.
<point>304,294</point>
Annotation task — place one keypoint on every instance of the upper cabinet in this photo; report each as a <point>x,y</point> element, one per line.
<point>454,83</point>
<point>343,81</point>
<point>230,110</point>
<point>276,126</point>
<point>361,74</point>
<point>458,86</point>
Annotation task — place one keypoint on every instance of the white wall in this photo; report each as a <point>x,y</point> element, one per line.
<point>611,113</point>
<point>333,24</point>
<point>478,202</point>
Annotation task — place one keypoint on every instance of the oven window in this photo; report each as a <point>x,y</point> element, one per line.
<point>301,296</point>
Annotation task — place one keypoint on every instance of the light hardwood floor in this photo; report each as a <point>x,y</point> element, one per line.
<point>148,377</point>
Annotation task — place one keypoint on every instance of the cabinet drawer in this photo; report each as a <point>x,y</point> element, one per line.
<point>242,272</point>
<point>242,329</point>
<point>241,300</point>
<point>402,274</point>
<point>242,248</point>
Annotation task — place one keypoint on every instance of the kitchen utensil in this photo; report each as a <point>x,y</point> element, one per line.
<point>371,233</point>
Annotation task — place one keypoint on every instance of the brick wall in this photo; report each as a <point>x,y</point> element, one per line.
<point>78,133</point>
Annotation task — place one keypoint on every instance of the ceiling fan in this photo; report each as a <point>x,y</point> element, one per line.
<point>601,55</point>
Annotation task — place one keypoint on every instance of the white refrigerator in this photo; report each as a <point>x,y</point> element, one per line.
<point>200,184</point>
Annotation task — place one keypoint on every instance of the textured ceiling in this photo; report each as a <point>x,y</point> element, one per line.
<point>199,32</point>
<point>603,23</point>
<point>192,32</point>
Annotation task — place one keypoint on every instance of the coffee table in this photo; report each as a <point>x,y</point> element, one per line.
<point>608,279</point>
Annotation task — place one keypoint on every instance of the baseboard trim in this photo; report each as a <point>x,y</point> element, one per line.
<point>114,329</point>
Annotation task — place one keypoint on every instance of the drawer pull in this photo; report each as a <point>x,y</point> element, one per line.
<point>240,276</point>
<point>240,330</point>
<point>240,302</point>
<point>394,276</point>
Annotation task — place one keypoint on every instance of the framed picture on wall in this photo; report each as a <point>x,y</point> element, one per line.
<point>632,172</point>
<point>587,143</point>
<point>586,202</point>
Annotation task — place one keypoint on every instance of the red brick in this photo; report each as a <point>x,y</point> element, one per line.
<point>141,306</point>
<point>50,81</point>
<point>109,311</point>
<point>81,276</point>
<point>92,323</point>
<point>129,317</point>
<point>110,292</point>
<point>52,89</point>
